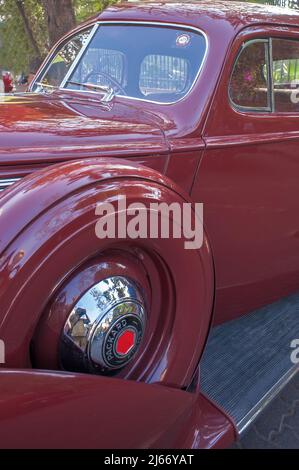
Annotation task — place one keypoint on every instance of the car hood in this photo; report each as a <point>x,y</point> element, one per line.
<point>64,124</point>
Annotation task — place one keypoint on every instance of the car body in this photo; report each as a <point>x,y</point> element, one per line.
<point>198,124</point>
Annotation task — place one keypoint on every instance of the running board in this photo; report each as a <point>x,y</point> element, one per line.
<point>248,361</point>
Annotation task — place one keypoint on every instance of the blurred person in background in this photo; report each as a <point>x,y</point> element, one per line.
<point>22,82</point>
<point>7,82</point>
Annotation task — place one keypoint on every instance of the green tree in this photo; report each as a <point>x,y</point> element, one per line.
<point>86,8</point>
<point>16,47</point>
<point>28,28</point>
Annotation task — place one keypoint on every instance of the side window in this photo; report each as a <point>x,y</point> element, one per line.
<point>63,60</point>
<point>285,56</point>
<point>249,85</point>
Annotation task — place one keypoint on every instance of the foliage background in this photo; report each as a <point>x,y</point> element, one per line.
<point>18,51</point>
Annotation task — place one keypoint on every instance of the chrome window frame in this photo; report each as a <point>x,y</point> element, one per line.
<point>271,78</point>
<point>124,22</point>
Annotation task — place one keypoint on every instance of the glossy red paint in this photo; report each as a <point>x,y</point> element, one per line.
<point>50,216</point>
<point>250,160</point>
<point>54,410</point>
<point>241,166</point>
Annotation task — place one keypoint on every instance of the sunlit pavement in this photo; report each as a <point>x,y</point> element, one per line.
<point>278,426</point>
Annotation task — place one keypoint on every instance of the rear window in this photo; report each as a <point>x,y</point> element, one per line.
<point>110,63</point>
<point>156,63</point>
<point>163,74</point>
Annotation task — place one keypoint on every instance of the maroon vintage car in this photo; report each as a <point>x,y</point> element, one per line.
<point>133,343</point>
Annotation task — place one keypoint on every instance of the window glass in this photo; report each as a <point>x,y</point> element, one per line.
<point>157,63</point>
<point>100,66</point>
<point>249,85</point>
<point>163,74</point>
<point>285,54</point>
<point>63,60</point>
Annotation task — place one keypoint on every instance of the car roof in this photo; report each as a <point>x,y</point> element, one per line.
<point>230,14</point>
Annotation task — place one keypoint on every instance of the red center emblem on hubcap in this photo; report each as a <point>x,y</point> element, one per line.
<point>125,342</point>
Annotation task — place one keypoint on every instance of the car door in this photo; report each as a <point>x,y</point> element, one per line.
<point>248,179</point>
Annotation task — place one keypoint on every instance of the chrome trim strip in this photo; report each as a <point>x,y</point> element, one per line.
<point>124,22</point>
<point>271,77</point>
<point>5,183</point>
<point>267,398</point>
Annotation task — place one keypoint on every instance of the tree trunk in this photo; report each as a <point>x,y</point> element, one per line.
<point>60,16</point>
<point>27,26</point>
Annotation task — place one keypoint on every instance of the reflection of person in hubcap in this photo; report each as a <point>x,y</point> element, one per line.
<point>79,327</point>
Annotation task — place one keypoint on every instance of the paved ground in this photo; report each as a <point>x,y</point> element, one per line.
<point>278,427</point>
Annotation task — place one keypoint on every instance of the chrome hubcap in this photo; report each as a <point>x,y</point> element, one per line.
<point>105,328</point>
